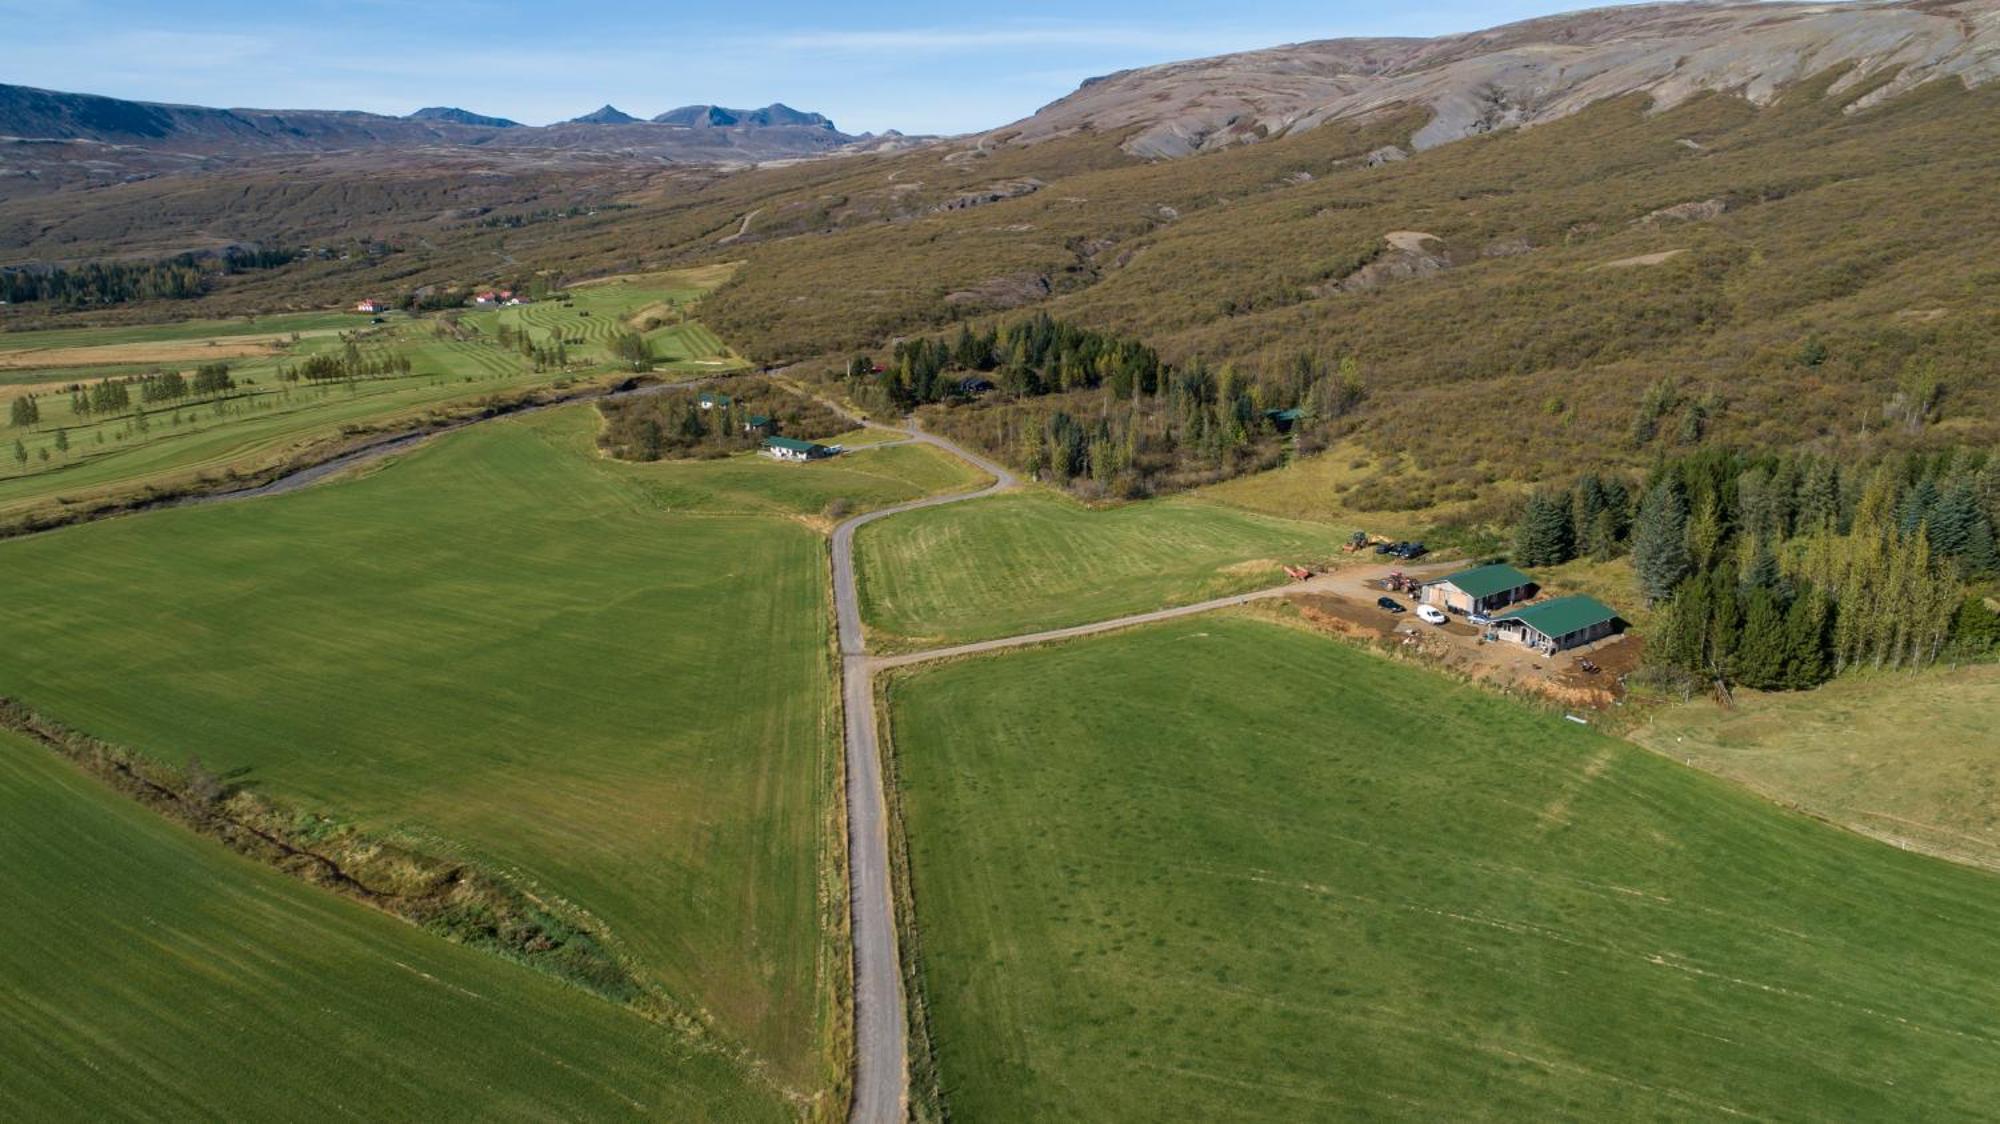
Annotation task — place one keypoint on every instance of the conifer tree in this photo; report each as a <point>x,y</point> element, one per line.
<point>1545,536</point>
<point>1659,541</point>
<point>1819,499</point>
<point>1763,653</point>
<point>1805,633</point>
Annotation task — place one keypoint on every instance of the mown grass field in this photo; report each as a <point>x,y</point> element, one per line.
<point>1034,560</point>
<point>259,427</point>
<point>1223,869</point>
<point>180,331</point>
<point>264,419</point>
<point>609,680</point>
<point>1914,759</point>
<point>151,973</point>
<point>658,306</point>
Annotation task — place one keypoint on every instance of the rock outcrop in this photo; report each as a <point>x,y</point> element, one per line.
<point>1528,73</point>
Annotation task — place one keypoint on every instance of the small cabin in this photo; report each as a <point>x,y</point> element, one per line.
<point>711,401</point>
<point>1558,625</point>
<point>1284,420</point>
<point>787,449</point>
<point>760,423</point>
<point>1482,589</point>
<point>370,307</point>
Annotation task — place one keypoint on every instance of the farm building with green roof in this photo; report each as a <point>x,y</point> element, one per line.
<point>790,449</point>
<point>1482,589</point>
<point>1554,626</point>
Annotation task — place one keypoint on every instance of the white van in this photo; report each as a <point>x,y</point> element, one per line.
<point>1430,613</point>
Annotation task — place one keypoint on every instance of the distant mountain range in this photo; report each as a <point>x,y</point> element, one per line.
<point>691,134</point>
<point>458,116</point>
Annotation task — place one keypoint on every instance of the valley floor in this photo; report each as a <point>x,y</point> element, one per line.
<point>1249,873</point>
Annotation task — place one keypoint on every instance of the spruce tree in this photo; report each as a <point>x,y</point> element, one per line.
<point>1806,640</point>
<point>1952,520</point>
<point>1545,537</point>
<point>1659,541</point>
<point>1763,651</point>
<point>1818,508</point>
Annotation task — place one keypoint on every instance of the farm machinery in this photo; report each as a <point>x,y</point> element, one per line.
<point>1362,540</point>
<point>1299,573</point>
<point>1399,582</point>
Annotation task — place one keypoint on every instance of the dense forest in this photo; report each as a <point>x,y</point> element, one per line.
<point>115,282</point>
<point>1102,415</point>
<point>722,417</point>
<point>1781,571</point>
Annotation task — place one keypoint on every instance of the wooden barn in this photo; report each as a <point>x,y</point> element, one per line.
<point>1558,625</point>
<point>1483,589</point>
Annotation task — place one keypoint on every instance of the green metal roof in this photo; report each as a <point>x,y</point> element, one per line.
<point>792,443</point>
<point>759,419</point>
<point>716,399</point>
<point>1485,581</point>
<point>1562,616</point>
<point>1290,415</point>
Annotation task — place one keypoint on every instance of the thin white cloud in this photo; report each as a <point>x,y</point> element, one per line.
<point>946,40</point>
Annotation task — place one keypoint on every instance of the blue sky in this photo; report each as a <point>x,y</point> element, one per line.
<point>918,67</point>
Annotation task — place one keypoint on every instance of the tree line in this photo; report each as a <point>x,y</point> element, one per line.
<point>1782,571</point>
<point>1106,415</point>
<point>350,363</point>
<point>181,277</point>
<point>728,416</point>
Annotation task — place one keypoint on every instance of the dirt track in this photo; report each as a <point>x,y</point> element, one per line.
<point>881,1045</point>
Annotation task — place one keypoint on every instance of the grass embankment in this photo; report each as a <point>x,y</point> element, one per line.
<point>1235,869</point>
<point>266,422</point>
<point>1035,560</point>
<point>609,682</point>
<point>150,972</point>
<point>1913,759</point>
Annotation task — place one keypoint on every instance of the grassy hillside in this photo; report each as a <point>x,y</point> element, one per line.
<point>1252,874</point>
<point>194,983</point>
<point>610,681</point>
<point>1024,562</point>
<point>1572,265</point>
<point>1914,759</point>
<point>657,306</point>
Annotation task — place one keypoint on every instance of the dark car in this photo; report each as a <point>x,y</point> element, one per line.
<point>1410,551</point>
<point>1385,548</point>
<point>1390,604</point>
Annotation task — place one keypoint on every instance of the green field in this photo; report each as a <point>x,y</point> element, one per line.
<point>151,973</point>
<point>265,420</point>
<point>609,680</point>
<point>587,316</point>
<point>1227,869</point>
<point>1914,759</point>
<point>181,330</point>
<point>1031,561</point>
